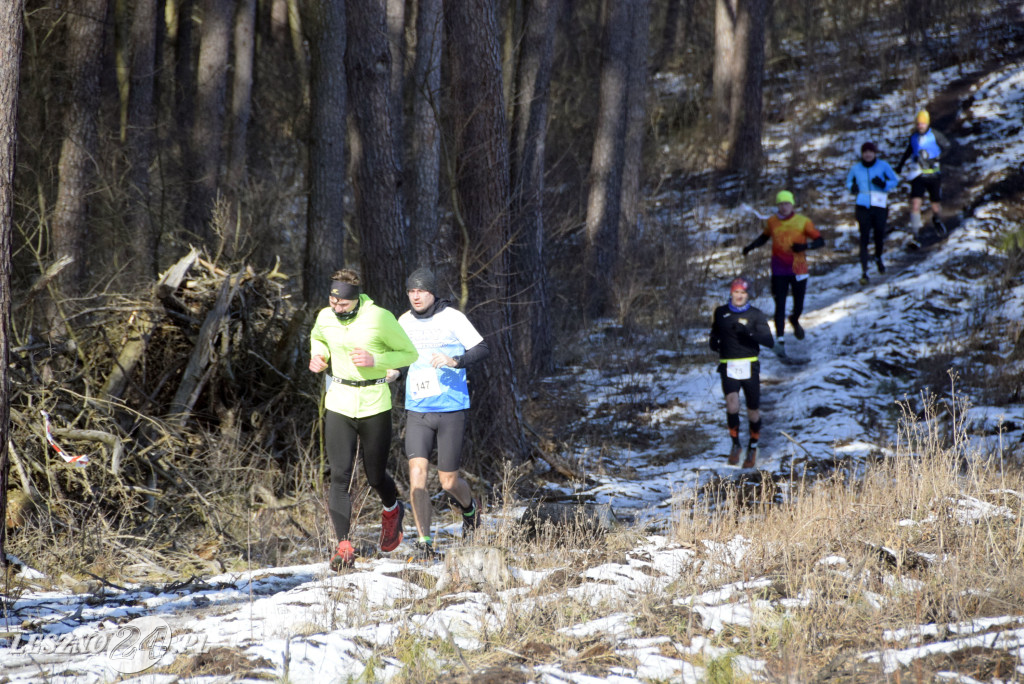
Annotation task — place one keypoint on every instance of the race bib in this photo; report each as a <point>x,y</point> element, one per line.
<point>738,370</point>
<point>803,276</point>
<point>423,383</point>
<point>878,199</point>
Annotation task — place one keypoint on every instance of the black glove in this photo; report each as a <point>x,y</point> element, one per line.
<point>899,169</point>
<point>853,187</point>
<point>746,250</point>
<point>878,182</point>
<point>799,247</point>
<point>739,328</point>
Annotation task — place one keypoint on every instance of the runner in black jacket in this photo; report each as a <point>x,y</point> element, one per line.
<point>738,331</point>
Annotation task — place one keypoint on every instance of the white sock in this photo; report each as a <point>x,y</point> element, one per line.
<point>915,221</point>
<point>781,339</point>
<point>393,507</point>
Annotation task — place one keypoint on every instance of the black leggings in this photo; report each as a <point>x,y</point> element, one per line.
<point>340,435</point>
<point>871,221</point>
<point>780,288</point>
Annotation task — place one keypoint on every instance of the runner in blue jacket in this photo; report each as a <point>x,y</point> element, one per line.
<point>925,149</point>
<point>870,180</point>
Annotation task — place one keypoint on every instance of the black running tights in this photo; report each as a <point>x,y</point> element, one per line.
<point>871,221</point>
<point>340,436</point>
<point>780,288</point>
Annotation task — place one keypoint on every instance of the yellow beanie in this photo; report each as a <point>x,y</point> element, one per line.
<point>784,196</point>
<point>923,117</point>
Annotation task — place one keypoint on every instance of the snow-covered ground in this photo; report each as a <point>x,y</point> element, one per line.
<point>305,624</point>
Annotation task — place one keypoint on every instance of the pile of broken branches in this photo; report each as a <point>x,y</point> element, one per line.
<point>180,398</point>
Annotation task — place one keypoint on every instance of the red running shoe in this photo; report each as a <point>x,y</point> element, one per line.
<point>344,556</point>
<point>391,528</point>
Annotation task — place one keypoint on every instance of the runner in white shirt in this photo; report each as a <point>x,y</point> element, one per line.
<point>437,399</point>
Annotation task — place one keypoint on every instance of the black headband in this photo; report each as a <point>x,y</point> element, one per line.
<point>344,290</point>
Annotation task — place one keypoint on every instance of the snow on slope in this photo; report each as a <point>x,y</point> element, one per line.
<point>309,625</point>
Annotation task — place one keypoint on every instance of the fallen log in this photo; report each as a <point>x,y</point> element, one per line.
<point>197,371</point>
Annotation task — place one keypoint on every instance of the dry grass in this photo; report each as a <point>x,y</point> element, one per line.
<point>902,549</point>
<point>941,567</point>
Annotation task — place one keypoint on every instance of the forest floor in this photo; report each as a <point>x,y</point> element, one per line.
<point>674,596</point>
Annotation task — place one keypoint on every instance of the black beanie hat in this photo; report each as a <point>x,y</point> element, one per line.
<point>422,279</point>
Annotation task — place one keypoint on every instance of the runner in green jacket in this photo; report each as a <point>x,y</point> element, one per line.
<point>359,342</point>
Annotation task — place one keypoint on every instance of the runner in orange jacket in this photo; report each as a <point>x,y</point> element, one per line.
<point>791,234</point>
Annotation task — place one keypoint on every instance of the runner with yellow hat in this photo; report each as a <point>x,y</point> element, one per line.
<point>924,150</point>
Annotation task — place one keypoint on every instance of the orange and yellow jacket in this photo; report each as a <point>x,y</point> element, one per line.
<point>784,233</point>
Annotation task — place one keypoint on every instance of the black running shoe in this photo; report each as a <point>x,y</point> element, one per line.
<point>939,226</point>
<point>734,454</point>
<point>470,518</point>
<point>798,329</point>
<point>864,279</point>
<point>424,551</point>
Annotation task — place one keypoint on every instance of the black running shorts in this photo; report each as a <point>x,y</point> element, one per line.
<point>927,182</point>
<point>751,386</point>
<point>423,430</point>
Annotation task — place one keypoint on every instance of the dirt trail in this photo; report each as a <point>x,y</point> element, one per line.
<point>949,110</point>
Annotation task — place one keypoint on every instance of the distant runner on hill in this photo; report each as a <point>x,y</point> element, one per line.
<point>924,150</point>
<point>738,330</point>
<point>791,234</point>
<point>870,181</point>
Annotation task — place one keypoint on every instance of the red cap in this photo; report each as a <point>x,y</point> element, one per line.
<point>739,284</point>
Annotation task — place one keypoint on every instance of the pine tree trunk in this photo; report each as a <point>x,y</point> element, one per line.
<point>140,135</point>
<point>184,70</point>
<point>746,154</point>
<point>604,204</point>
<point>738,81</point>
<point>636,122</point>
<point>241,93</point>
<point>396,45</point>
<point>10,63</point>
<point>426,134</point>
<point>208,129</point>
<point>244,41</point>
<point>482,182</point>
<point>530,121</point>
<point>670,33</point>
<point>724,67</point>
<point>511,27</point>
<point>279,21</point>
<point>78,152</point>
<point>382,236</point>
<point>325,210</point>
